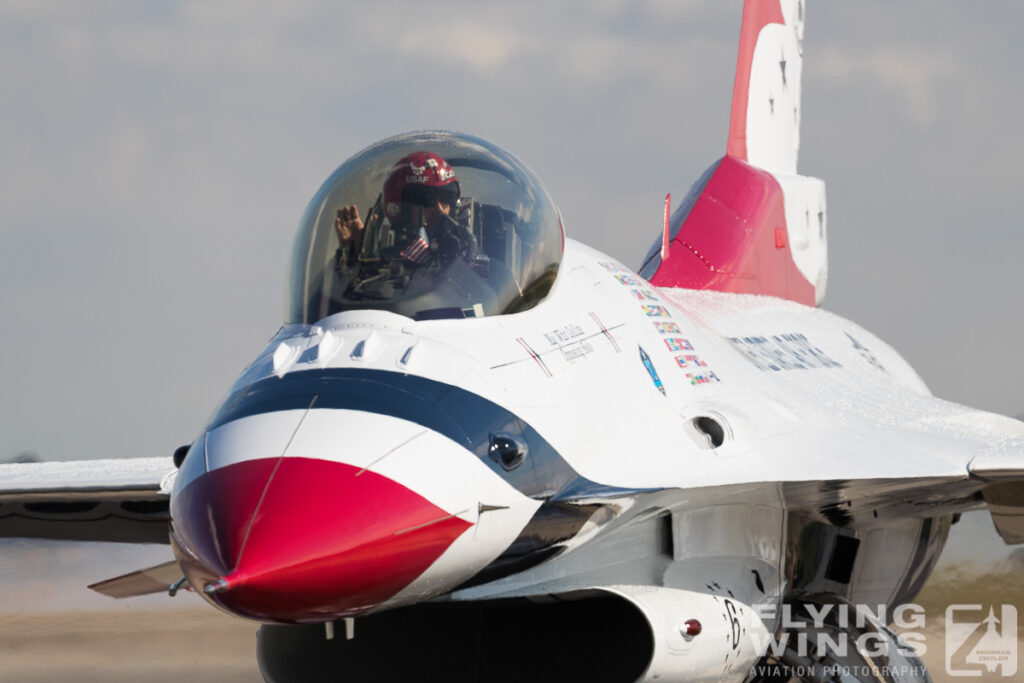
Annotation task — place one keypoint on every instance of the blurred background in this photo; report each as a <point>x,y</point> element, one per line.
<point>158,155</point>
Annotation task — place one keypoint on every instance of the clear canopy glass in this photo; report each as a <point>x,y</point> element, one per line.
<point>427,225</point>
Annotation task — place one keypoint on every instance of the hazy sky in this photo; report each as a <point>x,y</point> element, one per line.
<point>157,157</point>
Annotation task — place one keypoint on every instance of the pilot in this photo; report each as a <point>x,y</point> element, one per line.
<point>418,199</point>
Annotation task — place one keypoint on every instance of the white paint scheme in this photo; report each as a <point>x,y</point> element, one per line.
<point>389,338</point>
<point>353,437</point>
<point>807,225</point>
<point>716,654</point>
<point>255,437</point>
<point>793,15</point>
<point>773,104</point>
<point>285,356</point>
<point>598,407</point>
<point>600,410</point>
<point>328,346</point>
<point>368,348</point>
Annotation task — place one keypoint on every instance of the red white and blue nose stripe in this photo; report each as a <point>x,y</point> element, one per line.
<point>324,538</point>
<point>311,515</point>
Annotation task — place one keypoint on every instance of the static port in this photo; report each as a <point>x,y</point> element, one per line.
<point>707,431</point>
<point>712,428</point>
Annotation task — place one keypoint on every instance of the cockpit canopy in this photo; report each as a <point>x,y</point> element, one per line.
<point>427,225</point>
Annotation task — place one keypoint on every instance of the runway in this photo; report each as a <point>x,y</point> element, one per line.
<point>52,628</point>
<point>125,645</point>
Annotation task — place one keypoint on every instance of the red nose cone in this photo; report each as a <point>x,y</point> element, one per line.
<point>211,515</point>
<point>323,540</point>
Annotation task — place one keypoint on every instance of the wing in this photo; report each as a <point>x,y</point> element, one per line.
<point>900,455</point>
<point>1003,474</point>
<point>87,500</point>
<point>993,479</point>
<point>839,422</point>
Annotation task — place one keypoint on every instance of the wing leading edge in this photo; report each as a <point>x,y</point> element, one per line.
<point>124,501</point>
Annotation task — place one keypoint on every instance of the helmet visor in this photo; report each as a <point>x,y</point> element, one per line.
<point>424,195</point>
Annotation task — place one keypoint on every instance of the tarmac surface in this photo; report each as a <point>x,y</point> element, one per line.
<point>52,629</point>
<point>115,646</point>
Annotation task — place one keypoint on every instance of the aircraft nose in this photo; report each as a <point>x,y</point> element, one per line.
<point>329,539</point>
<point>292,538</point>
<point>325,494</point>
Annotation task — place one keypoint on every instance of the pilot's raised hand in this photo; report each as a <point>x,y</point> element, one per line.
<point>349,226</point>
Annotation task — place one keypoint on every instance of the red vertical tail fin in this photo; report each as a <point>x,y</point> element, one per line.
<point>751,224</point>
